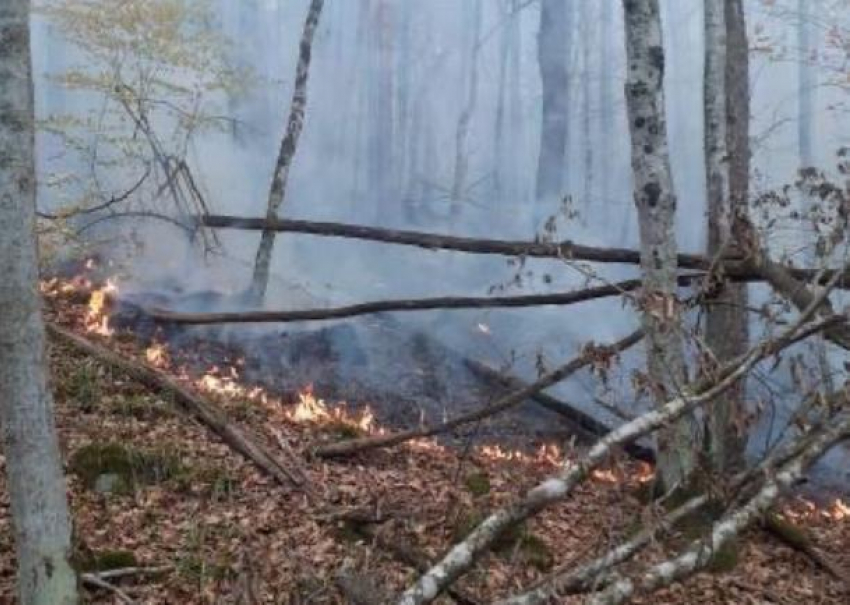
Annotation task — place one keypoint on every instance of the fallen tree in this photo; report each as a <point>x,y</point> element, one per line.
<point>700,553</point>
<point>589,355</point>
<point>463,555</point>
<point>206,412</point>
<point>735,266</point>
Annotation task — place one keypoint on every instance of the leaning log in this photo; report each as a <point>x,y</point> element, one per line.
<point>735,266</point>
<point>413,304</point>
<point>206,412</point>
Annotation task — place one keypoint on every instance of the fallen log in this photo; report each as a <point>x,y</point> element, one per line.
<point>584,359</point>
<point>700,552</point>
<point>591,428</point>
<point>735,267</point>
<point>416,304</point>
<point>207,413</point>
<point>462,556</point>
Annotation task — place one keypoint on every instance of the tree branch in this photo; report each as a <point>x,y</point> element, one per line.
<point>463,555</point>
<point>588,356</point>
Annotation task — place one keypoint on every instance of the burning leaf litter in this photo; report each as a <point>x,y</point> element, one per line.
<point>218,521</point>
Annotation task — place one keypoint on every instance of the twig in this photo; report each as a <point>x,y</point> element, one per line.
<point>588,356</point>
<point>97,581</point>
<point>205,411</point>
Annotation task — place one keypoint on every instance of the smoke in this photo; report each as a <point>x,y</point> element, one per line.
<point>388,83</point>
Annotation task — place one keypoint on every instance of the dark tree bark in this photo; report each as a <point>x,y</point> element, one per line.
<point>553,50</point>
<point>286,155</point>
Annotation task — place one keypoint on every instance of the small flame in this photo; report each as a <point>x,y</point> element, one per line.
<point>605,476</point>
<point>839,511</point>
<point>157,355</point>
<point>97,317</point>
<point>309,409</point>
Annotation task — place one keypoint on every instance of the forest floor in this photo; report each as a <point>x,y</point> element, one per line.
<point>176,498</point>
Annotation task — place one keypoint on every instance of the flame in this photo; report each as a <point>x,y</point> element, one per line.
<point>157,355</point>
<point>309,409</point>
<point>605,476</point>
<point>97,316</point>
<point>839,511</point>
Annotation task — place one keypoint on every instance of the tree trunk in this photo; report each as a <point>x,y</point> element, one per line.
<point>36,486</point>
<point>806,92</point>
<point>726,97</point>
<point>461,165</point>
<point>288,147</point>
<point>656,206</point>
<point>553,52</point>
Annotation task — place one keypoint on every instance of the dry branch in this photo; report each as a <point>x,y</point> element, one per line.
<point>587,577</point>
<point>420,304</point>
<point>588,356</point>
<point>588,425</point>
<point>700,553</point>
<point>791,288</point>
<point>734,267</point>
<point>803,542</point>
<point>463,555</point>
<point>196,407</point>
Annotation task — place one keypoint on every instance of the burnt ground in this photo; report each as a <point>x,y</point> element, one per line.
<point>226,534</point>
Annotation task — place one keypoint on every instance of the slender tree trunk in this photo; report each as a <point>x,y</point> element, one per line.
<point>288,147</point>
<point>501,92</point>
<point>553,53</point>
<point>381,122</point>
<point>726,97</point>
<point>806,92</point>
<point>656,206</point>
<point>586,101</point>
<point>40,516</point>
<point>461,167</point>
<point>606,101</point>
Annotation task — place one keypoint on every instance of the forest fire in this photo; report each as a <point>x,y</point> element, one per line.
<point>97,316</point>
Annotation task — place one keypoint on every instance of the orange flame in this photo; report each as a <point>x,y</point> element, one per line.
<point>157,355</point>
<point>97,316</point>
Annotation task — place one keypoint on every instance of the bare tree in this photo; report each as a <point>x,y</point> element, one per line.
<point>656,206</point>
<point>553,52</point>
<point>33,468</point>
<point>461,164</point>
<point>726,105</point>
<point>288,147</point>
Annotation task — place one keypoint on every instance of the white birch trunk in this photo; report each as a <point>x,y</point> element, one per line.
<point>40,516</point>
<point>656,206</point>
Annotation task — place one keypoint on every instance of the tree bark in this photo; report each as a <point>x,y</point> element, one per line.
<point>286,154</point>
<point>726,99</point>
<point>553,50</point>
<point>463,555</point>
<point>40,516</point>
<point>656,205</point>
